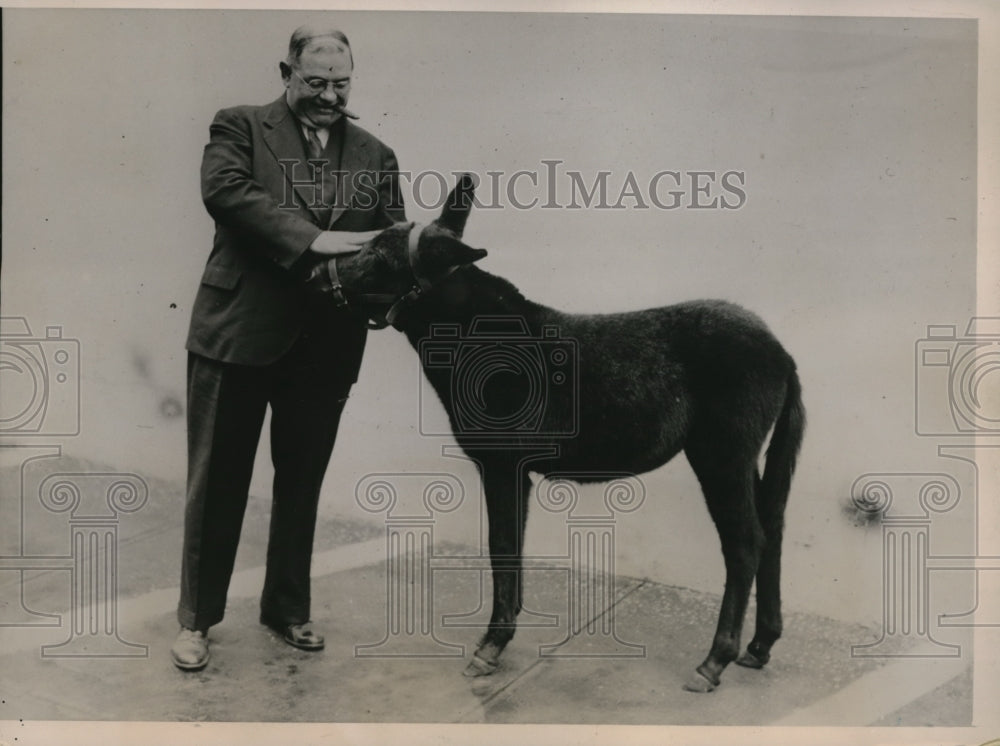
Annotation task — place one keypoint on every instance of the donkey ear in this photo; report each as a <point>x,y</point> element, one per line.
<point>454,253</point>
<point>457,206</point>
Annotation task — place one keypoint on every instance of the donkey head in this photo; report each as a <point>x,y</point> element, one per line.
<point>406,260</point>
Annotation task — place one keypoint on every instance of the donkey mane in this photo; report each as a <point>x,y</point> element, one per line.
<point>471,292</point>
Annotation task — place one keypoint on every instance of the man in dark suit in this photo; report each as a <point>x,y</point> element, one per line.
<point>289,184</point>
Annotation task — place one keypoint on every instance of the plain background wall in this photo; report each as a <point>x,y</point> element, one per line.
<point>857,138</point>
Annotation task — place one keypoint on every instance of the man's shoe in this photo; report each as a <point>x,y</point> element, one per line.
<point>190,650</point>
<point>301,636</point>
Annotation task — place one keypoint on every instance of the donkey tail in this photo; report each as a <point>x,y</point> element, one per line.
<point>783,450</point>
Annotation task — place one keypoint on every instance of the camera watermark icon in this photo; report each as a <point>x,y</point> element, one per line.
<point>958,379</point>
<point>587,562</point>
<point>957,387</point>
<point>94,502</point>
<point>40,396</point>
<point>500,380</point>
<point>39,380</point>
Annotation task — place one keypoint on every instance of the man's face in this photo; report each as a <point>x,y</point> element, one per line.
<point>327,66</point>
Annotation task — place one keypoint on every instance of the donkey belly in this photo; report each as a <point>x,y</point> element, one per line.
<point>630,439</point>
<point>594,466</point>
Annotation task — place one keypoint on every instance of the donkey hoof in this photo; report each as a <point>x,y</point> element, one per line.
<point>480,666</point>
<point>749,660</point>
<point>700,682</point>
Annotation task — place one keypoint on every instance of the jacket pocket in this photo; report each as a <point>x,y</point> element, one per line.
<point>221,277</point>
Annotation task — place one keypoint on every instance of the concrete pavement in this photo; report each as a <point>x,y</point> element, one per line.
<point>622,660</point>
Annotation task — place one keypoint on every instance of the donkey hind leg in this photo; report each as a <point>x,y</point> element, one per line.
<point>507,519</point>
<point>729,492</point>
<point>771,496</point>
<point>769,625</point>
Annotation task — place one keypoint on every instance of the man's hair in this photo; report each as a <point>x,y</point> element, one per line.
<point>304,35</point>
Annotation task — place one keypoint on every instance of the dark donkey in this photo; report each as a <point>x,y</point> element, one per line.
<point>705,377</point>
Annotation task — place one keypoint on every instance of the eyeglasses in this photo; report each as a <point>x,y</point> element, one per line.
<point>319,85</point>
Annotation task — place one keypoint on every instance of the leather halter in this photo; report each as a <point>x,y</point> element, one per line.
<point>421,284</point>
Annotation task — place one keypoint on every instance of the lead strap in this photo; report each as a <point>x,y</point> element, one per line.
<point>336,288</point>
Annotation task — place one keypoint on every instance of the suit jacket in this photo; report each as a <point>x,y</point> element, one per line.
<point>251,306</point>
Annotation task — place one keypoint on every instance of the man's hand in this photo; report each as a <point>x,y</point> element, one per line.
<point>331,243</point>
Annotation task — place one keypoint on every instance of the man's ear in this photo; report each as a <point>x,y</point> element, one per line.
<point>286,70</point>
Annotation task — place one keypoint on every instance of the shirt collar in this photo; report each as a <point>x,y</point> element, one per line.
<point>324,133</point>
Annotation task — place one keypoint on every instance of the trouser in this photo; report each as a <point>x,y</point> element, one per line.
<point>226,408</point>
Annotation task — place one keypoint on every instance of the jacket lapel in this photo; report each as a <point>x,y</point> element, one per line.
<point>284,139</point>
<point>353,160</point>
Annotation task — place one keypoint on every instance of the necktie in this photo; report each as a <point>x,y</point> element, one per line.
<point>316,153</point>
<point>315,146</point>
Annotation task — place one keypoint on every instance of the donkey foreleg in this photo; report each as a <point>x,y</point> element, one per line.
<point>506,505</point>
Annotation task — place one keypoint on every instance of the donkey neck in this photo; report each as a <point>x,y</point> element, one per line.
<point>469,293</point>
